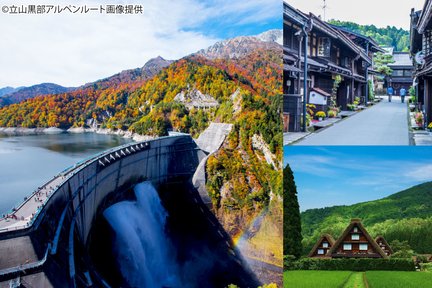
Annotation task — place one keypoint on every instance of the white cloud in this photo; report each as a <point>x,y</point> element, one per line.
<point>71,50</point>
<point>421,173</point>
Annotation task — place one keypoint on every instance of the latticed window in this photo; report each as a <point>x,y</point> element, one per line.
<point>427,43</point>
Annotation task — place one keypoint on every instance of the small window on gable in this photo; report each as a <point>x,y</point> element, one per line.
<point>325,245</point>
<point>320,251</point>
<point>355,237</point>
<point>347,247</point>
<point>355,229</point>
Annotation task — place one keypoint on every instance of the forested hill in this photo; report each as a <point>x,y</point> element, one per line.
<point>389,36</point>
<point>406,215</point>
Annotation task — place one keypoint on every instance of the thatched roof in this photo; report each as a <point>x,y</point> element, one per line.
<point>383,240</point>
<point>357,222</point>
<point>323,237</point>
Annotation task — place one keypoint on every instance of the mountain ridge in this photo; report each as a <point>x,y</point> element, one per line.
<point>238,46</point>
<point>25,93</point>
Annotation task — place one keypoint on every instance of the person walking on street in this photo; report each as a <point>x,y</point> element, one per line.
<point>402,92</point>
<point>389,93</point>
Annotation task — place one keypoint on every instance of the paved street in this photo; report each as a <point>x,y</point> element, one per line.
<point>383,124</point>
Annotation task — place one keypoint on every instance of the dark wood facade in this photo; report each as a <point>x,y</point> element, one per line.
<point>355,242</point>
<point>421,41</point>
<point>380,240</point>
<point>331,52</point>
<point>294,22</point>
<point>322,247</point>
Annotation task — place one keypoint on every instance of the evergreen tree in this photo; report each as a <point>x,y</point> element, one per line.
<point>292,221</point>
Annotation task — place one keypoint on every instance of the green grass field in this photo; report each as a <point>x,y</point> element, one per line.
<point>315,279</point>
<point>396,279</point>
<point>347,279</point>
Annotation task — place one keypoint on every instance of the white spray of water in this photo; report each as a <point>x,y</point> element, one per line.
<point>144,253</point>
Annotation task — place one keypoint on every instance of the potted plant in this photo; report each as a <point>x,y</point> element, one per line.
<point>309,113</point>
<point>419,119</point>
<point>320,115</point>
<point>331,113</point>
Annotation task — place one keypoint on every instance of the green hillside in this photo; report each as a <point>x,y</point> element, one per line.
<point>406,215</point>
<point>388,36</point>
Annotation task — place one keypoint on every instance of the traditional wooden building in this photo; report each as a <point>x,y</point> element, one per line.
<point>322,247</point>
<point>402,72</point>
<point>421,51</point>
<point>382,243</point>
<point>355,242</point>
<point>330,52</point>
<point>294,24</point>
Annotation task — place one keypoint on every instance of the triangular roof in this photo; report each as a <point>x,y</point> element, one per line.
<point>382,239</point>
<point>323,237</point>
<point>357,222</point>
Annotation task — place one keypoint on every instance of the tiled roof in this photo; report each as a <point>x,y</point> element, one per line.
<point>401,59</point>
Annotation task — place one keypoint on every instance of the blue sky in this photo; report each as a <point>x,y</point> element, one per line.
<point>228,19</point>
<point>73,49</point>
<point>343,175</point>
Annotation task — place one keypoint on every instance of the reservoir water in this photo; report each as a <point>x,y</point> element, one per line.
<point>27,162</point>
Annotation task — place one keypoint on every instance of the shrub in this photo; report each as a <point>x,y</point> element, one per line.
<point>426,267</point>
<point>430,125</point>
<point>358,264</point>
<point>289,262</point>
<point>422,259</point>
<point>320,114</point>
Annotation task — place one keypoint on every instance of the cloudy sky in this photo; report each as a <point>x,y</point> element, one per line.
<point>380,13</point>
<point>343,175</point>
<point>73,49</point>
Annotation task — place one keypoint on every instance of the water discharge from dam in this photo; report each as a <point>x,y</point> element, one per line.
<point>144,253</point>
<point>165,237</point>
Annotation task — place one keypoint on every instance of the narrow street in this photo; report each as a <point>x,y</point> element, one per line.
<point>383,124</point>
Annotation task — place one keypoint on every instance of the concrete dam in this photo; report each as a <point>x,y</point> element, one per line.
<point>59,238</point>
